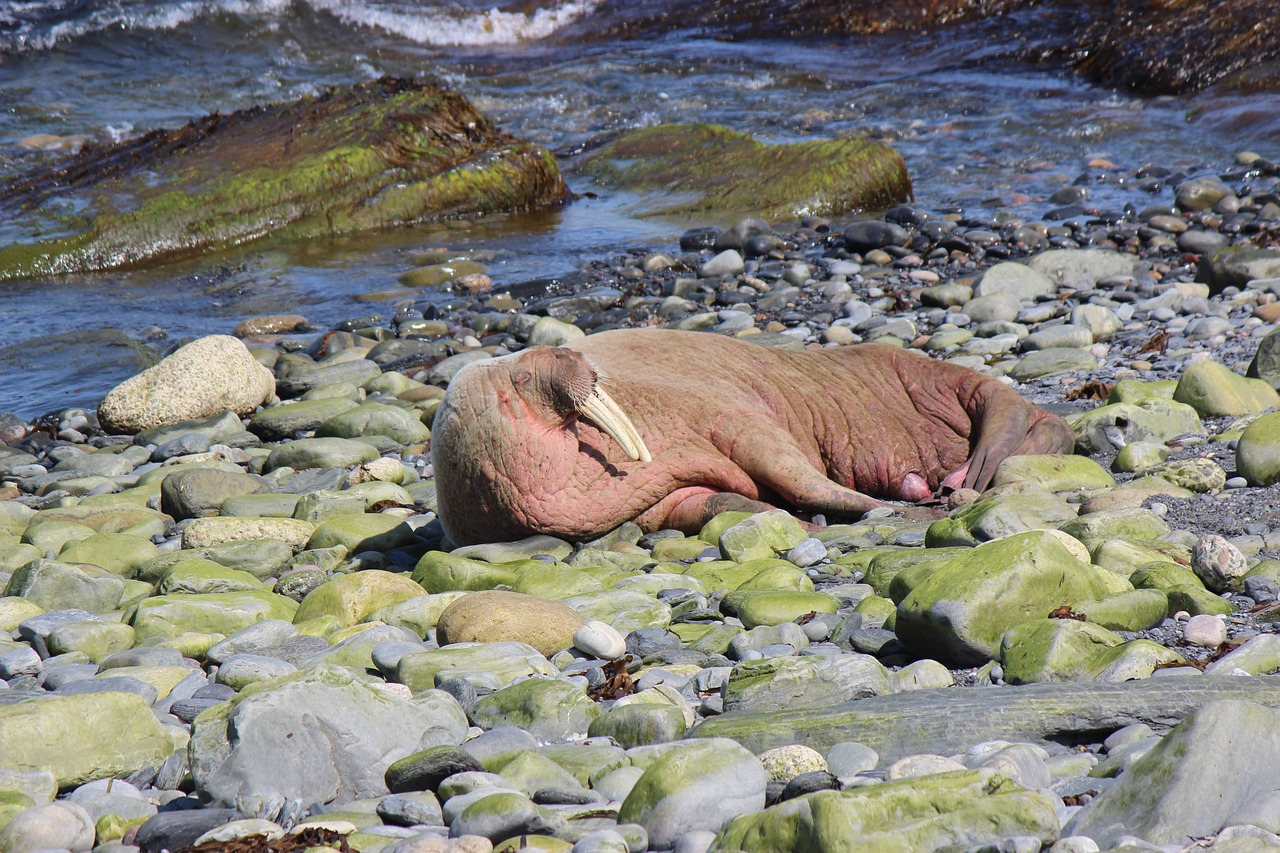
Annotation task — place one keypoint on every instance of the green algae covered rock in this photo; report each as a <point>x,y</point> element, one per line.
<point>770,607</point>
<point>350,598</point>
<point>775,684</point>
<point>707,169</point>
<point>374,155</point>
<point>57,586</point>
<point>114,734</point>
<point>1155,419</point>
<point>696,785</point>
<point>490,663</point>
<point>439,571</point>
<point>763,535</point>
<point>1212,389</point>
<point>1053,650</point>
<point>170,616</point>
<point>1054,472</point>
<point>962,611</point>
<point>1258,451</point>
<point>946,811</point>
<point>550,709</point>
<point>992,518</point>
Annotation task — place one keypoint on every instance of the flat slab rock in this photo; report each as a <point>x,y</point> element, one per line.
<point>950,720</point>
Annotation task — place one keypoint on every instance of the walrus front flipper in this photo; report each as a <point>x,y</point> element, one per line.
<point>1005,425</point>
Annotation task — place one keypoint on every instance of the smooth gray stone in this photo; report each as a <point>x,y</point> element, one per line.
<point>909,723</point>
<point>110,684</point>
<point>171,830</point>
<point>1215,769</point>
<point>143,656</point>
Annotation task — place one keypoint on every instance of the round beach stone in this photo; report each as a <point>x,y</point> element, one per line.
<point>639,724</point>
<point>550,709</point>
<point>285,420</point>
<point>400,425</point>
<point>784,763</point>
<point>1213,389</point>
<point>362,531</point>
<point>491,616</point>
<point>1258,451</point>
<point>198,493</point>
<point>320,453</point>
<point>350,598</point>
<point>207,376</point>
<point>222,530</point>
<point>59,825</point>
<point>1218,563</point>
<point>425,770</point>
<point>600,639</point>
<point>1205,630</point>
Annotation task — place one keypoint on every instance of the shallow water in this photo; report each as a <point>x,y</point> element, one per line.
<point>980,126</point>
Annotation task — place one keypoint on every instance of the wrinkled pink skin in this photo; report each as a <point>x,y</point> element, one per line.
<point>730,425</point>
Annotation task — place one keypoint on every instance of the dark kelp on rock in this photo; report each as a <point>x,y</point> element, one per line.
<point>706,169</point>
<point>374,155</point>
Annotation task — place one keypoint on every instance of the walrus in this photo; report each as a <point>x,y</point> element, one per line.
<point>668,428</point>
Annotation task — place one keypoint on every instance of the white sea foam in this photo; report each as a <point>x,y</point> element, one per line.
<point>42,24</point>
<point>451,26</point>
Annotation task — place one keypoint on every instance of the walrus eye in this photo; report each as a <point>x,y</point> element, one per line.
<point>522,378</point>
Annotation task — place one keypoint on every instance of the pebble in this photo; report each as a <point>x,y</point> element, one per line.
<point>1205,630</point>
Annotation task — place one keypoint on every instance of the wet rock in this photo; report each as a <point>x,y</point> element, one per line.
<point>772,181</point>
<point>331,163</point>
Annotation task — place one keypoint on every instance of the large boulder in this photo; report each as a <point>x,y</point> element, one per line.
<point>961,612</point>
<point>695,786</point>
<point>84,737</point>
<point>375,155</point>
<point>315,736</point>
<point>1229,747</point>
<point>721,171</point>
<point>207,376</point>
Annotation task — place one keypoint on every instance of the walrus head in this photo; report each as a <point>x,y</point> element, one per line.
<point>505,439</point>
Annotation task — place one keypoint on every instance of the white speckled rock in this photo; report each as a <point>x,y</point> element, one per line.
<point>207,376</point>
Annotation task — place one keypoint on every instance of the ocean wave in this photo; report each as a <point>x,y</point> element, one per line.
<point>35,25</point>
<point>458,27</point>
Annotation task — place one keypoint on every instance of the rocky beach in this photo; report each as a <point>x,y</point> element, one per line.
<point>231,620</point>
<point>234,616</point>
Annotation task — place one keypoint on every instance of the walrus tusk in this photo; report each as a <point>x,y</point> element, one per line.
<point>601,410</point>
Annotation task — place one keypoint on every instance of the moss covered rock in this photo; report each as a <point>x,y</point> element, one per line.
<point>374,155</point>
<point>961,612</point>
<point>708,169</point>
